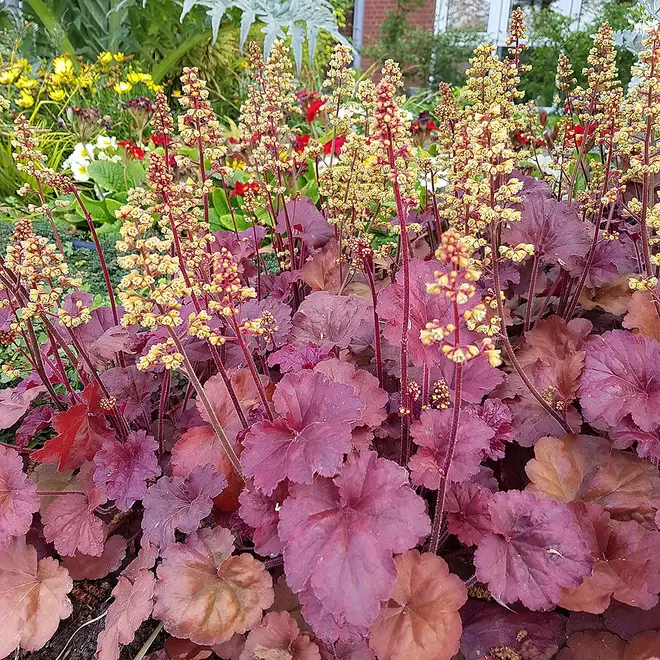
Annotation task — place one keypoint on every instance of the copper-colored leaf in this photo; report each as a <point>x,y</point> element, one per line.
<point>33,597</point>
<point>642,315</point>
<point>205,594</point>
<point>421,619</point>
<point>585,468</point>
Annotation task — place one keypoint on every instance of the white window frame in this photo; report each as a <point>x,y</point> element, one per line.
<point>497,30</point>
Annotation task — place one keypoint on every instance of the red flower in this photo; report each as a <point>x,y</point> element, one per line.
<point>431,126</point>
<point>241,188</point>
<point>132,149</point>
<point>313,109</point>
<point>159,139</point>
<point>339,143</point>
<point>576,133</point>
<point>301,142</point>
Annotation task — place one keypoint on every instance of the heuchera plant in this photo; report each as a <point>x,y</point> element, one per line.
<point>407,408</point>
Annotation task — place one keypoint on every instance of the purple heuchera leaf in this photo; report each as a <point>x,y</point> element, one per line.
<point>340,535</point>
<point>529,635</point>
<point>124,468</point>
<point>71,526</point>
<point>306,221</point>
<point>328,320</point>
<point>14,403</point>
<point>261,512</point>
<point>424,308</point>
<point>432,433</point>
<point>498,417</point>
<point>622,377</point>
<point>554,228</point>
<point>534,548</point>
<point>36,420</point>
<point>364,385</point>
<point>100,336</point>
<point>312,436</point>
<point>176,503</point>
<point>280,311</point>
<point>626,433</point>
<point>18,497</point>
<point>326,625</point>
<point>297,358</point>
<point>133,389</point>
<point>467,512</point>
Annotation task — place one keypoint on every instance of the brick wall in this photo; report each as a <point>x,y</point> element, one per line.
<point>376,10</point>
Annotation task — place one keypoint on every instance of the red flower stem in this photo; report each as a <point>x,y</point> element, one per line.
<point>405,259</point>
<point>104,266</point>
<point>374,299</point>
<point>532,287</point>
<point>505,338</point>
<point>52,493</point>
<point>426,385</point>
<point>446,464</point>
<point>228,384</point>
<point>162,405</point>
<point>551,292</point>
<point>231,208</point>
<point>49,215</point>
<point>253,368</point>
<point>208,407</point>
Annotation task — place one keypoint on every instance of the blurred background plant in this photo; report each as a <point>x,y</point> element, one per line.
<point>553,34</point>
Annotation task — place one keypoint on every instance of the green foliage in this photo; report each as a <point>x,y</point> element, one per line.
<point>552,35</point>
<point>116,177</point>
<point>423,55</point>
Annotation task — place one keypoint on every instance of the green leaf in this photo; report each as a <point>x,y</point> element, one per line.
<point>116,177</point>
<point>97,209</point>
<point>173,57</point>
<point>225,223</point>
<point>311,190</point>
<point>219,200</point>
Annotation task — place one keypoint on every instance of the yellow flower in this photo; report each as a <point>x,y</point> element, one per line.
<point>63,66</point>
<point>26,100</point>
<point>122,87</point>
<point>155,88</point>
<point>10,75</point>
<point>105,58</point>
<point>26,83</point>
<point>57,94</point>
<point>119,57</point>
<point>136,77</point>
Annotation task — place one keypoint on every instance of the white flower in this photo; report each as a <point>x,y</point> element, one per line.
<point>544,161</point>
<point>83,151</point>
<point>79,170</point>
<point>438,181</point>
<point>104,142</point>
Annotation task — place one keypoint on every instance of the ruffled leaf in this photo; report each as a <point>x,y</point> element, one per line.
<point>33,597</point>
<point>18,497</point>
<point>205,594</point>
<point>585,468</point>
<point>124,468</point>
<point>534,548</point>
<point>312,437</point>
<point>278,631</point>
<point>175,503</point>
<point>339,536</point>
<point>333,321</point>
<point>70,524</point>
<point>86,567</point>
<point>622,377</point>
<point>421,618</point>
<point>432,433</point>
